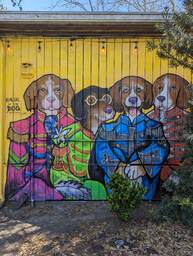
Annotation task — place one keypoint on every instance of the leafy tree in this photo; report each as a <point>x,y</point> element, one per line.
<point>177,46</point>
<point>177,41</point>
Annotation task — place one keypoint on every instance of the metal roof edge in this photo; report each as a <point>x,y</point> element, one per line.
<point>92,17</point>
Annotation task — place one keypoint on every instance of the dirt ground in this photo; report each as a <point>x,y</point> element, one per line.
<point>87,228</point>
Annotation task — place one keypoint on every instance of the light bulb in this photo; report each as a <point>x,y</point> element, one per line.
<point>103,49</point>
<point>8,46</point>
<point>136,47</point>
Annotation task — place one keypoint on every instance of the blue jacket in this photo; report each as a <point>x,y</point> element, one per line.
<point>126,141</point>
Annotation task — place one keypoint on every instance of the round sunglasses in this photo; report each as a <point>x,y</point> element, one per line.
<point>92,100</point>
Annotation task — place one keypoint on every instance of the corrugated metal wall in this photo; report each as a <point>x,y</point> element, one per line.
<point>84,63</point>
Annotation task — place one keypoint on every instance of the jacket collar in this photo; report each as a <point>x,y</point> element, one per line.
<point>86,132</point>
<point>40,116</point>
<point>138,119</point>
<point>170,113</point>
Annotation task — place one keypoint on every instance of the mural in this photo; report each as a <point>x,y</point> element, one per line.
<point>55,155</point>
<point>134,144</point>
<point>30,153</point>
<point>171,96</point>
<point>91,106</point>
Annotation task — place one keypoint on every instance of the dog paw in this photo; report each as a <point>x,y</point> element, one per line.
<point>73,190</point>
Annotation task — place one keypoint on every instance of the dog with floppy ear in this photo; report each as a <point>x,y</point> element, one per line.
<point>30,152</point>
<point>131,92</point>
<point>49,94</point>
<point>171,97</point>
<point>134,144</point>
<point>91,106</point>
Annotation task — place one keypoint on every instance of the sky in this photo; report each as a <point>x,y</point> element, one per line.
<point>42,5</point>
<point>31,5</point>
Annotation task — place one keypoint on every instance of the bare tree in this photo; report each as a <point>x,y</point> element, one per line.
<point>116,5</point>
<point>146,5</point>
<point>110,5</point>
<point>2,7</point>
<point>17,4</point>
<point>85,5</point>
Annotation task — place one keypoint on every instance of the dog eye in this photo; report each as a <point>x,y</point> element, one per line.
<point>57,90</point>
<point>138,89</point>
<point>125,89</point>
<point>91,100</point>
<point>42,89</point>
<point>107,99</point>
<point>173,87</point>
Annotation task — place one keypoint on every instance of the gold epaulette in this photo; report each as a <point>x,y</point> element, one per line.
<point>16,137</point>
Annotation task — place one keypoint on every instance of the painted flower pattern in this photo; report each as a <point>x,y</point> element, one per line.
<point>59,137</point>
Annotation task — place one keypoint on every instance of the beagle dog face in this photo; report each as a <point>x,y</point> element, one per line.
<point>131,92</point>
<point>48,94</point>
<point>92,104</point>
<point>169,91</point>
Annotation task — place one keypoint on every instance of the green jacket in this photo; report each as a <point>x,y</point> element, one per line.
<point>71,154</point>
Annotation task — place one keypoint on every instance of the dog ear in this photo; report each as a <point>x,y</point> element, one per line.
<point>30,96</point>
<point>115,92</point>
<point>184,94</point>
<point>68,93</point>
<point>148,97</point>
<point>78,107</point>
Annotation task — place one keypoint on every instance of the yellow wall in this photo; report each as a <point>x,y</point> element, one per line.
<point>84,63</point>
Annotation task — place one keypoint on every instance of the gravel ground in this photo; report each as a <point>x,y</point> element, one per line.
<point>88,228</point>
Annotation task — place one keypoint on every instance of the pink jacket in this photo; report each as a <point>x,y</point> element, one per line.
<point>29,154</point>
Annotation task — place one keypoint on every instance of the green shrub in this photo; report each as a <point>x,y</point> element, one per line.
<point>175,209</point>
<point>124,196</point>
<point>177,205</point>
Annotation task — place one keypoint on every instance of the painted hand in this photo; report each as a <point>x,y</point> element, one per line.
<point>133,172</point>
<point>73,190</point>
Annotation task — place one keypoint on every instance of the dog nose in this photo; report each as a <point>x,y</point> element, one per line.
<point>51,99</point>
<point>133,100</point>
<point>108,110</point>
<point>161,98</point>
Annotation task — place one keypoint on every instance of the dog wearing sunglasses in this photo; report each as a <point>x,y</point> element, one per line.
<point>69,173</point>
<point>134,144</point>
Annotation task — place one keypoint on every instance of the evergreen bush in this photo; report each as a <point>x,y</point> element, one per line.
<point>125,195</point>
<point>177,205</point>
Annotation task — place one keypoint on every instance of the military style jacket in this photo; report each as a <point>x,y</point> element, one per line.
<point>30,153</point>
<point>126,141</point>
<point>71,154</point>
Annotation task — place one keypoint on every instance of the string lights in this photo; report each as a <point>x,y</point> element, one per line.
<point>8,46</point>
<point>102,43</point>
<point>39,46</point>
<point>103,47</point>
<point>71,42</point>
<point>136,46</point>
